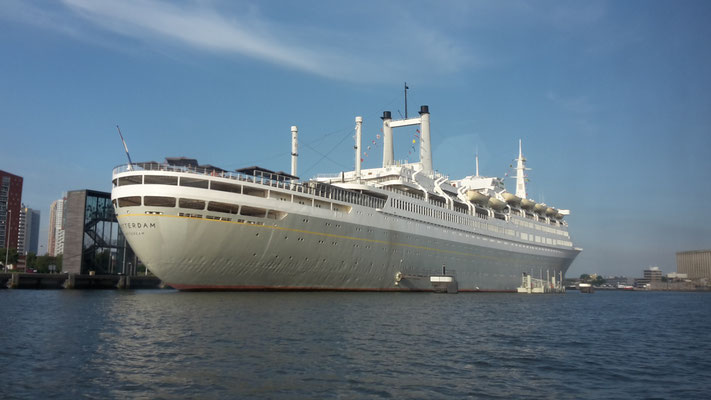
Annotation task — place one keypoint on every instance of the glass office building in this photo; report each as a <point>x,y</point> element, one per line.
<point>93,240</point>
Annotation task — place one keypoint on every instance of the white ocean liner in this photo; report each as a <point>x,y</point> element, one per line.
<point>401,227</point>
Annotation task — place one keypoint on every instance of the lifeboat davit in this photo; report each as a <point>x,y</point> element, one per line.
<point>512,199</point>
<point>527,204</point>
<point>476,197</point>
<point>496,204</point>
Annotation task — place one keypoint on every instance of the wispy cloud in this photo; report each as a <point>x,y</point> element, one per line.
<point>331,51</point>
<point>195,26</point>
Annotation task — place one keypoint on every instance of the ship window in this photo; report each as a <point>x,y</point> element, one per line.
<point>159,201</point>
<point>129,201</point>
<point>130,180</point>
<point>192,182</point>
<point>115,182</point>
<point>160,180</point>
<point>322,204</point>
<point>253,211</point>
<point>222,207</point>
<point>225,187</point>
<point>255,192</point>
<point>192,204</point>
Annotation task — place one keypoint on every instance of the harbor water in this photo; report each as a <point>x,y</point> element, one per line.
<point>69,344</point>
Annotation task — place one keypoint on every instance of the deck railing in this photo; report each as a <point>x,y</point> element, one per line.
<point>317,189</point>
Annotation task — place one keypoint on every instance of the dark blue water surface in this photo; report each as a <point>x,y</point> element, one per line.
<point>72,344</point>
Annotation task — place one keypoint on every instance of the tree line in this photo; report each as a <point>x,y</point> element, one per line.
<point>32,261</point>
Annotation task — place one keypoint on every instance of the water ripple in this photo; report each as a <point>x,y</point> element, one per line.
<point>173,345</point>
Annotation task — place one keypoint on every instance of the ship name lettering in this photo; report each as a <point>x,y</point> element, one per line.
<point>138,225</point>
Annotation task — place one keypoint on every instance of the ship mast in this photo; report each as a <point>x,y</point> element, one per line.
<point>406,99</point>
<point>477,163</point>
<point>520,178</point>
<point>359,127</point>
<point>294,149</point>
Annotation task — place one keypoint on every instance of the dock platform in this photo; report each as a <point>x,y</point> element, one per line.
<point>16,280</point>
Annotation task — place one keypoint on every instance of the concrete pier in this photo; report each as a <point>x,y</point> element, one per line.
<point>77,281</point>
<point>4,277</point>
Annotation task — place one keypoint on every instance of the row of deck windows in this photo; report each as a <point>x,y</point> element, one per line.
<point>472,223</point>
<point>184,181</point>
<point>331,192</point>
<point>200,205</point>
<point>161,201</point>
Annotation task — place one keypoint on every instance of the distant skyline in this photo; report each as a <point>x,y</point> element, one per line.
<point>612,100</point>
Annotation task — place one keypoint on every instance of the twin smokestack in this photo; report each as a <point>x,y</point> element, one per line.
<point>425,149</point>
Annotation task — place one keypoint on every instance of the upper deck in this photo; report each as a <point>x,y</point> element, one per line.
<point>388,199</point>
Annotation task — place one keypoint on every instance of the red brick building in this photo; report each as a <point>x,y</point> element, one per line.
<point>10,203</point>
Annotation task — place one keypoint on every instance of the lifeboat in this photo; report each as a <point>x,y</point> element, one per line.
<point>540,208</point>
<point>527,204</point>
<point>559,216</point>
<point>476,197</point>
<point>550,211</point>
<point>512,199</point>
<point>496,204</point>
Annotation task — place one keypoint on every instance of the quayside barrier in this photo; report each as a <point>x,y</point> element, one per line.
<point>77,281</point>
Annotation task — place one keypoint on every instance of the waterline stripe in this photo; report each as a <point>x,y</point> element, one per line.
<point>332,235</point>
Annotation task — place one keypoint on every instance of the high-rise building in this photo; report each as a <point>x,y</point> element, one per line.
<point>21,231</point>
<point>10,202</point>
<point>28,236</point>
<point>55,239</point>
<point>696,264</point>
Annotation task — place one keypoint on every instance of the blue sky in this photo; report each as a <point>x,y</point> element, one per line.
<point>612,99</point>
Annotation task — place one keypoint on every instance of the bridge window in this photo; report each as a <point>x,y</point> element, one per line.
<point>255,192</point>
<point>160,180</point>
<point>192,204</point>
<point>225,187</point>
<point>130,201</point>
<point>223,207</point>
<point>253,211</point>
<point>193,182</point>
<point>159,201</point>
<point>130,180</point>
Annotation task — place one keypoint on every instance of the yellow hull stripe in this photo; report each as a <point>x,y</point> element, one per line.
<point>318,234</point>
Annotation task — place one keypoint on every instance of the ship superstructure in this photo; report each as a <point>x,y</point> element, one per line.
<point>402,226</point>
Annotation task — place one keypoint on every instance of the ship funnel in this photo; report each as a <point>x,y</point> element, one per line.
<point>425,147</point>
<point>294,148</point>
<point>388,154</point>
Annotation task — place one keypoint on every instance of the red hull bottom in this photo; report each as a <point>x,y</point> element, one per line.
<point>227,288</point>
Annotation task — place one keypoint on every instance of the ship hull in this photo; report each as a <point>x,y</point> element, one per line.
<point>210,231</point>
<point>305,252</point>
